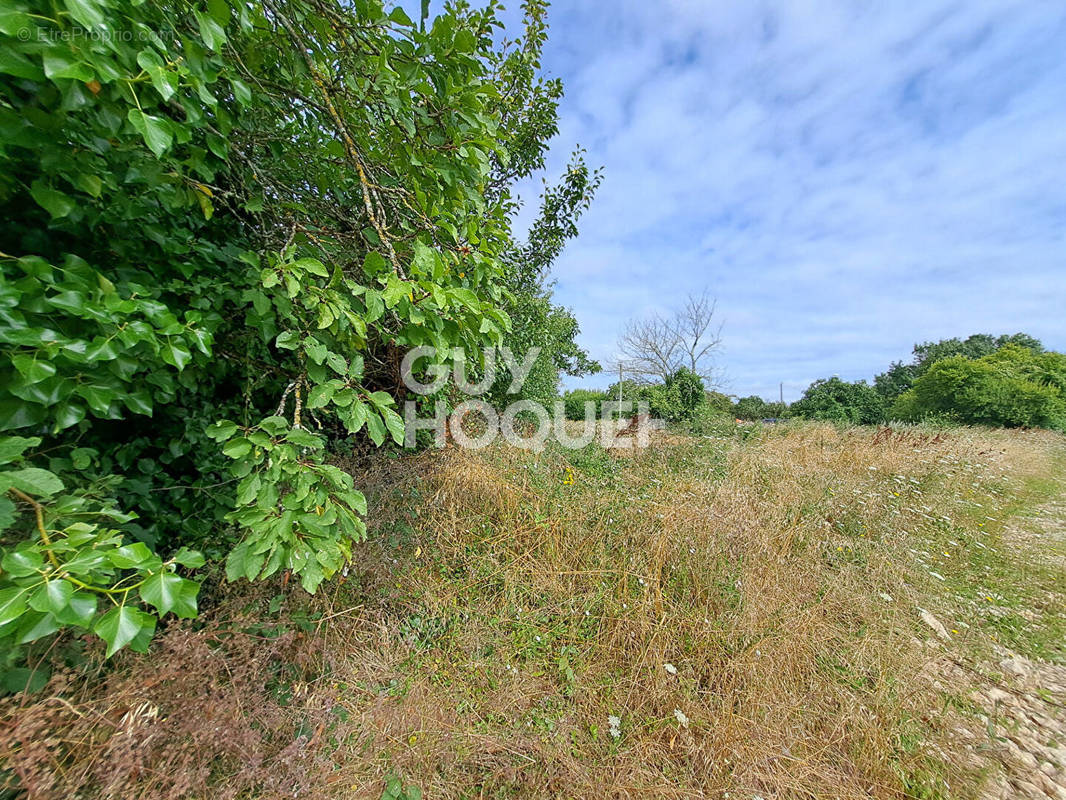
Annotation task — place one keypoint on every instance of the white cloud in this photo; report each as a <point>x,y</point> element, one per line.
<point>849,179</point>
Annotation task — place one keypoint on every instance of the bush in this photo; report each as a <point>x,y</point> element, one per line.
<point>678,398</point>
<point>219,238</point>
<point>755,408</point>
<point>835,400</point>
<point>574,402</point>
<point>1012,387</point>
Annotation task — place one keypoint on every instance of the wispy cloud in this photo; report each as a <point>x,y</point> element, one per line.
<point>848,178</point>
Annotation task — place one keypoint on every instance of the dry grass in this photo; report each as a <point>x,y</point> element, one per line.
<point>499,616</point>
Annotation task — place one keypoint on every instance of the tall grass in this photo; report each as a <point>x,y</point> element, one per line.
<point>747,606</point>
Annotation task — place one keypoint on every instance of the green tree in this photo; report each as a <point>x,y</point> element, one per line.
<point>1012,386</point>
<point>900,377</point>
<point>836,400</point>
<point>221,234</point>
<point>753,408</point>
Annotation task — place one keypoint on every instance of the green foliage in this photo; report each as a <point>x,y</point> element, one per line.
<point>755,408</point>
<point>678,398</point>
<point>1013,386</point>
<point>835,400</point>
<point>234,213</point>
<point>77,562</point>
<point>900,377</point>
<point>574,402</point>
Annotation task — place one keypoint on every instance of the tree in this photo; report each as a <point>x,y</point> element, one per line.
<point>754,408</point>
<point>835,400</point>
<point>899,377</point>
<point>220,237</point>
<point>657,347</point>
<point>678,397</point>
<point>1011,386</point>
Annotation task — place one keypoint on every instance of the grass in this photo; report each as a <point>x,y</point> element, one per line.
<point>745,605</point>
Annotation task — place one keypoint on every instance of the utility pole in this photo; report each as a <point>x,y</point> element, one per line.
<point>781,388</point>
<point>619,388</point>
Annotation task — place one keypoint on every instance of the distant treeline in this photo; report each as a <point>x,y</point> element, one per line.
<point>1009,381</point>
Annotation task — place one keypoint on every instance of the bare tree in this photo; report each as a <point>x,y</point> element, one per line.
<point>655,348</point>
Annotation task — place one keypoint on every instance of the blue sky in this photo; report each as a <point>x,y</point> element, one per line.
<point>847,178</point>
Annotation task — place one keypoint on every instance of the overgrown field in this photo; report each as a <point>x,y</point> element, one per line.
<point>716,616</point>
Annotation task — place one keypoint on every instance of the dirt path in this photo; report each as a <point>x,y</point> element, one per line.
<point>1024,713</point>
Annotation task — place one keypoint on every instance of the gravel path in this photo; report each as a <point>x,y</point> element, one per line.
<point>1024,713</point>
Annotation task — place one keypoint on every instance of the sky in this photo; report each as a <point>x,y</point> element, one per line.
<point>847,178</point>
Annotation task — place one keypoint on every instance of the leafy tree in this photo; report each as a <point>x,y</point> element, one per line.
<point>753,408</point>
<point>836,400</point>
<point>221,233</point>
<point>1012,386</point>
<point>678,398</point>
<point>719,403</point>
<point>900,377</point>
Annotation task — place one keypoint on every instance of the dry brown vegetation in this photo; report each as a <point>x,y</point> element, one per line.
<point>748,606</point>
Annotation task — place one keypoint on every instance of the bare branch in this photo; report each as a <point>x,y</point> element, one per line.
<point>657,347</point>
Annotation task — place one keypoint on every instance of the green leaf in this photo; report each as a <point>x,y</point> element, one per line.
<point>213,34</point>
<point>32,480</point>
<point>58,63</point>
<point>119,626</point>
<point>394,423</point>
<point>12,602</point>
<point>79,611</point>
<point>164,82</point>
<point>51,200</point>
<point>53,596</point>
<point>315,350</point>
<point>166,591</point>
<point>241,92</point>
<point>287,340</point>
<point>12,447</point>
<point>85,12</point>
<point>155,130</point>
<point>22,562</point>
<point>337,363</point>
<point>302,438</point>
<point>221,430</point>
<point>139,402</point>
<point>175,353</point>
<point>312,265</point>
<point>237,448</point>
<point>90,184</point>
<point>24,679</point>
<point>7,513</point>
<point>320,396</point>
<point>36,624</point>
<point>130,556</point>
<point>376,428</point>
<point>399,16</point>
<point>193,559</point>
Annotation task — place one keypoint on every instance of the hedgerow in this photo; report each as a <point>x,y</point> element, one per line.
<point>224,224</point>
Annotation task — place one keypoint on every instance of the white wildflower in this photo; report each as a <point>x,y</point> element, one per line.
<point>681,718</point>
<point>670,668</point>
<point>614,725</point>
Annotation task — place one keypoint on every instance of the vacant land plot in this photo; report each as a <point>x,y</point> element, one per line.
<point>784,612</point>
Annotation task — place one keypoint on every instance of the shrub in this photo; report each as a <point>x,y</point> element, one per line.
<point>678,398</point>
<point>574,402</point>
<point>835,400</point>
<point>202,284</point>
<point>755,408</point>
<point>1013,387</point>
